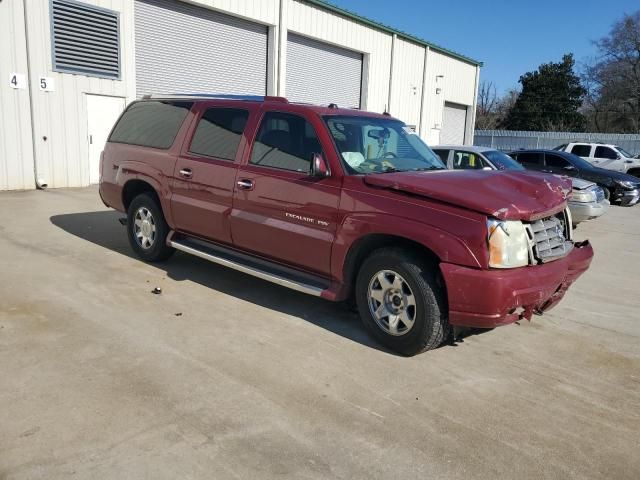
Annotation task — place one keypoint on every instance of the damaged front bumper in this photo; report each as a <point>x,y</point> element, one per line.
<point>490,298</point>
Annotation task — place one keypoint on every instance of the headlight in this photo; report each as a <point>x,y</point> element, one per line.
<point>626,184</point>
<point>508,244</point>
<point>583,196</point>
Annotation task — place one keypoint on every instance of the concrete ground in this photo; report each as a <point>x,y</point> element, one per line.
<point>227,376</point>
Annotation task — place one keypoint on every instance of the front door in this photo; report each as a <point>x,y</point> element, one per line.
<point>607,157</point>
<point>102,113</point>
<point>205,172</point>
<point>279,211</point>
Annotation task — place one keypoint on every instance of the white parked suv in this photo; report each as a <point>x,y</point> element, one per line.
<point>611,157</point>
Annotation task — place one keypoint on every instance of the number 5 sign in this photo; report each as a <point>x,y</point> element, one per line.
<point>46,84</point>
<point>17,80</point>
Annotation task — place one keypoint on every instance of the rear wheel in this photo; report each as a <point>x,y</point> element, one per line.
<point>147,229</point>
<point>401,301</point>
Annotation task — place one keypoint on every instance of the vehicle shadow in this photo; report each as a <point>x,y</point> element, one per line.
<point>102,228</point>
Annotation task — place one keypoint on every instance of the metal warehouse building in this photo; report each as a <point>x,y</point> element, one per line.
<point>68,68</point>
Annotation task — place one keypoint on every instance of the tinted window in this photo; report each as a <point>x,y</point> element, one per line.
<point>581,150</point>
<point>218,133</point>
<point>285,141</point>
<point>150,123</point>
<point>468,161</point>
<point>443,154</point>
<point>605,152</point>
<point>502,161</point>
<point>530,158</point>
<point>556,161</point>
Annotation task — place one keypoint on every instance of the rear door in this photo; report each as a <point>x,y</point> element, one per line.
<point>279,211</point>
<point>205,172</point>
<point>583,150</point>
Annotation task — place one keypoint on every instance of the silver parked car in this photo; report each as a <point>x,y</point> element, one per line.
<point>587,199</point>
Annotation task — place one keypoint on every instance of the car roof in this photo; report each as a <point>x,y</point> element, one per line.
<point>331,109</point>
<point>466,148</point>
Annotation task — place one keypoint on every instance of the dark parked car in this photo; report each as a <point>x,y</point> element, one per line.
<point>618,187</point>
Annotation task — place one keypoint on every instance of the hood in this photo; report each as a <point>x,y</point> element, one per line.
<point>504,194</point>
<point>601,175</point>
<point>580,184</point>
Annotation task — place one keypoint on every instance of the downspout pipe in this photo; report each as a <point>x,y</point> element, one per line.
<point>41,182</point>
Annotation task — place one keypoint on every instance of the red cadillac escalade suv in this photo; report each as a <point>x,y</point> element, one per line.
<point>341,204</point>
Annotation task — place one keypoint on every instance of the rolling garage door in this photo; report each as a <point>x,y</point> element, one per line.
<point>321,73</point>
<point>454,122</point>
<point>181,48</point>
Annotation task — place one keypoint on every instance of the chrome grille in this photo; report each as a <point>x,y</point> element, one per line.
<point>550,238</point>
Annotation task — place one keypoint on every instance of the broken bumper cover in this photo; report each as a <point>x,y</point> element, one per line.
<point>490,298</point>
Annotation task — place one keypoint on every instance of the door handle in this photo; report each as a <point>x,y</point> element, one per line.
<point>186,173</point>
<point>547,171</point>
<point>245,184</point>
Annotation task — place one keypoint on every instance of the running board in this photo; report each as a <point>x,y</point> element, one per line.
<point>245,264</point>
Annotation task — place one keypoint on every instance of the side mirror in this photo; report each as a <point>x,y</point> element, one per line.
<point>319,167</point>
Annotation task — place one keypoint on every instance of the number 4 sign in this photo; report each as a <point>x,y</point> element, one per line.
<point>17,80</point>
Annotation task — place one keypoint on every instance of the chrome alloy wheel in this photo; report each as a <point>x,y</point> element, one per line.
<point>392,302</point>
<point>144,228</point>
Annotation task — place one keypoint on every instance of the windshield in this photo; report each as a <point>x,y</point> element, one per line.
<point>379,145</point>
<point>502,161</point>
<point>624,152</point>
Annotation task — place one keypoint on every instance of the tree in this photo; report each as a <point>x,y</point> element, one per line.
<point>613,79</point>
<point>486,117</point>
<point>549,100</point>
<point>491,109</point>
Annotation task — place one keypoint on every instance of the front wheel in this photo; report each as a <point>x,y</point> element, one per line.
<point>401,301</point>
<point>147,229</point>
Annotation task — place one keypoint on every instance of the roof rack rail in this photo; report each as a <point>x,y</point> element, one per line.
<point>220,96</point>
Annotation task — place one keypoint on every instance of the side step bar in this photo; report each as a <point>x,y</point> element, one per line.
<point>224,257</point>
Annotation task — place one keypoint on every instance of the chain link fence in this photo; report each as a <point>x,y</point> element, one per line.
<point>514,140</point>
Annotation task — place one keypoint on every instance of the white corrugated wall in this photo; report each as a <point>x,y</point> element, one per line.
<point>406,81</point>
<point>323,25</point>
<point>447,80</point>
<point>61,116</point>
<point>16,151</point>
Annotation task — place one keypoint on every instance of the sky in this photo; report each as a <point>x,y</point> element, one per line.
<point>511,38</point>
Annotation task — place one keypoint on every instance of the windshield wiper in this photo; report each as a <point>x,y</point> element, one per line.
<point>422,169</point>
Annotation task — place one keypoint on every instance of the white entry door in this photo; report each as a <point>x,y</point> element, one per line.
<point>102,113</point>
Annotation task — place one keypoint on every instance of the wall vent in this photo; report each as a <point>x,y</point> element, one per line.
<point>85,39</point>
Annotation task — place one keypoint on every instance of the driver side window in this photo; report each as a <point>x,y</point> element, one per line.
<point>285,141</point>
<point>606,153</point>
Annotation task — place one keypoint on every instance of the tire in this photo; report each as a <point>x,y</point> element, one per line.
<point>148,240</point>
<point>404,275</point>
<point>607,193</point>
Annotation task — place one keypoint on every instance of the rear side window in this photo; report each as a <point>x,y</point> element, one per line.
<point>151,123</point>
<point>581,150</point>
<point>218,133</point>
<point>285,141</point>
<point>529,158</point>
